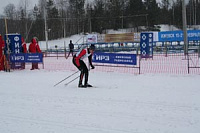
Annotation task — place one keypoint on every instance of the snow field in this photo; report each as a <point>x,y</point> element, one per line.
<point>119,103</point>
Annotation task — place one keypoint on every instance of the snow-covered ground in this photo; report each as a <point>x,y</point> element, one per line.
<point>119,103</point>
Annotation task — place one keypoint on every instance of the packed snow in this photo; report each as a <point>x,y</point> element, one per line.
<point>118,103</point>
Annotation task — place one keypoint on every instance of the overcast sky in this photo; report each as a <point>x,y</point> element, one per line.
<point>17,3</point>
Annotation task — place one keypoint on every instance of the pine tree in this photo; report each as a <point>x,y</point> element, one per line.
<point>165,10</point>
<point>53,20</point>
<point>136,11</point>
<point>153,11</point>
<point>98,16</point>
<point>77,12</point>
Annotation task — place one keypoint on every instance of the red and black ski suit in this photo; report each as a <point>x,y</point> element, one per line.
<point>80,64</point>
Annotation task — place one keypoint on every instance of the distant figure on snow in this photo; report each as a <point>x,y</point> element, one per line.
<point>71,48</point>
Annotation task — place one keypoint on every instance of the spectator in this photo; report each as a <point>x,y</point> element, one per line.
<point>1,53</point>
<point>24,50</point>
<point>71,48</point>
<point>34,48</point>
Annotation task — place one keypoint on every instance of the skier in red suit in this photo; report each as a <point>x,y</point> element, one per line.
<point>34,48</point>
<point>80,64</point>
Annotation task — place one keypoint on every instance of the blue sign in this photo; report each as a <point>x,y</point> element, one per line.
<point>146,45</point>
<point>29,57</point>
<point>171,36</point>
<point>113,58</point>
<point>13,43</point>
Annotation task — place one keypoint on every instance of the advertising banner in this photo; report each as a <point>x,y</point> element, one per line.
<point>13,41</point>
<point>172,36</point>
<point>29,57</point>
<point>13,45</point>
<point>125,37</point>
<point>146,45</point>
<point>92,38</point>
<point>113,58</point>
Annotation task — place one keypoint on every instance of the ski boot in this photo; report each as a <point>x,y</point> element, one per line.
<point>80,85</point>
<point>88,85</point>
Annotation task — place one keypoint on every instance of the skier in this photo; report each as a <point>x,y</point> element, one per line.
<point>80,64</point>
<point>71,48</point>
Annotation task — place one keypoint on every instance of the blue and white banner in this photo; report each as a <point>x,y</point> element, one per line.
<point>171,36</point>
<point>13,41</point>
<point>29,57</point>
<point>146,45</point>
<point>113,58</point>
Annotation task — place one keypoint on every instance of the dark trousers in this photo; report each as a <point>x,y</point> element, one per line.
<point>71,51</point>
<point>23,65</point>
<point>84,71</point>
<point>34,66</point>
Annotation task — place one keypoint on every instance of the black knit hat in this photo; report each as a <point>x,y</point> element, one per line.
<point>92,47</point>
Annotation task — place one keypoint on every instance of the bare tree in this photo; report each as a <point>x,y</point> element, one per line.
<point>10,11</point>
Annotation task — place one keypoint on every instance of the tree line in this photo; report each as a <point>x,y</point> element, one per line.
<point>63,18</point>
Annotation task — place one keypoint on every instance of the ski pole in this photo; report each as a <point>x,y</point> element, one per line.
<point>66,78</point>
<point>71,81</point>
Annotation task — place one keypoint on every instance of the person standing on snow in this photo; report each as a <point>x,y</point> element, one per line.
<point>1,53</point>
<point>24,50</point>
<point>71,48</point>
<point>80,64</point>
<point>34,48</point>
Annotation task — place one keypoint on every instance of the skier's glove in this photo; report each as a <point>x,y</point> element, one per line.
<point>79,68</point>
<point>92,67</point>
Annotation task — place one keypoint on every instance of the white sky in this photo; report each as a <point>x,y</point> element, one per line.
<point>17,3</point>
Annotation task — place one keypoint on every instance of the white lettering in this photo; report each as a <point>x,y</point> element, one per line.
<point>102,57</point>
<point>19,57</point>
<point>17,51</point>
<point>167,36</point>
<point>17,45</point>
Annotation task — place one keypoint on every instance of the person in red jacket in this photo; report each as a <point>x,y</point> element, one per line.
<point>24,50</point>
<point>79,63</point>
<point>1,53</point>
<point>34,48</point>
